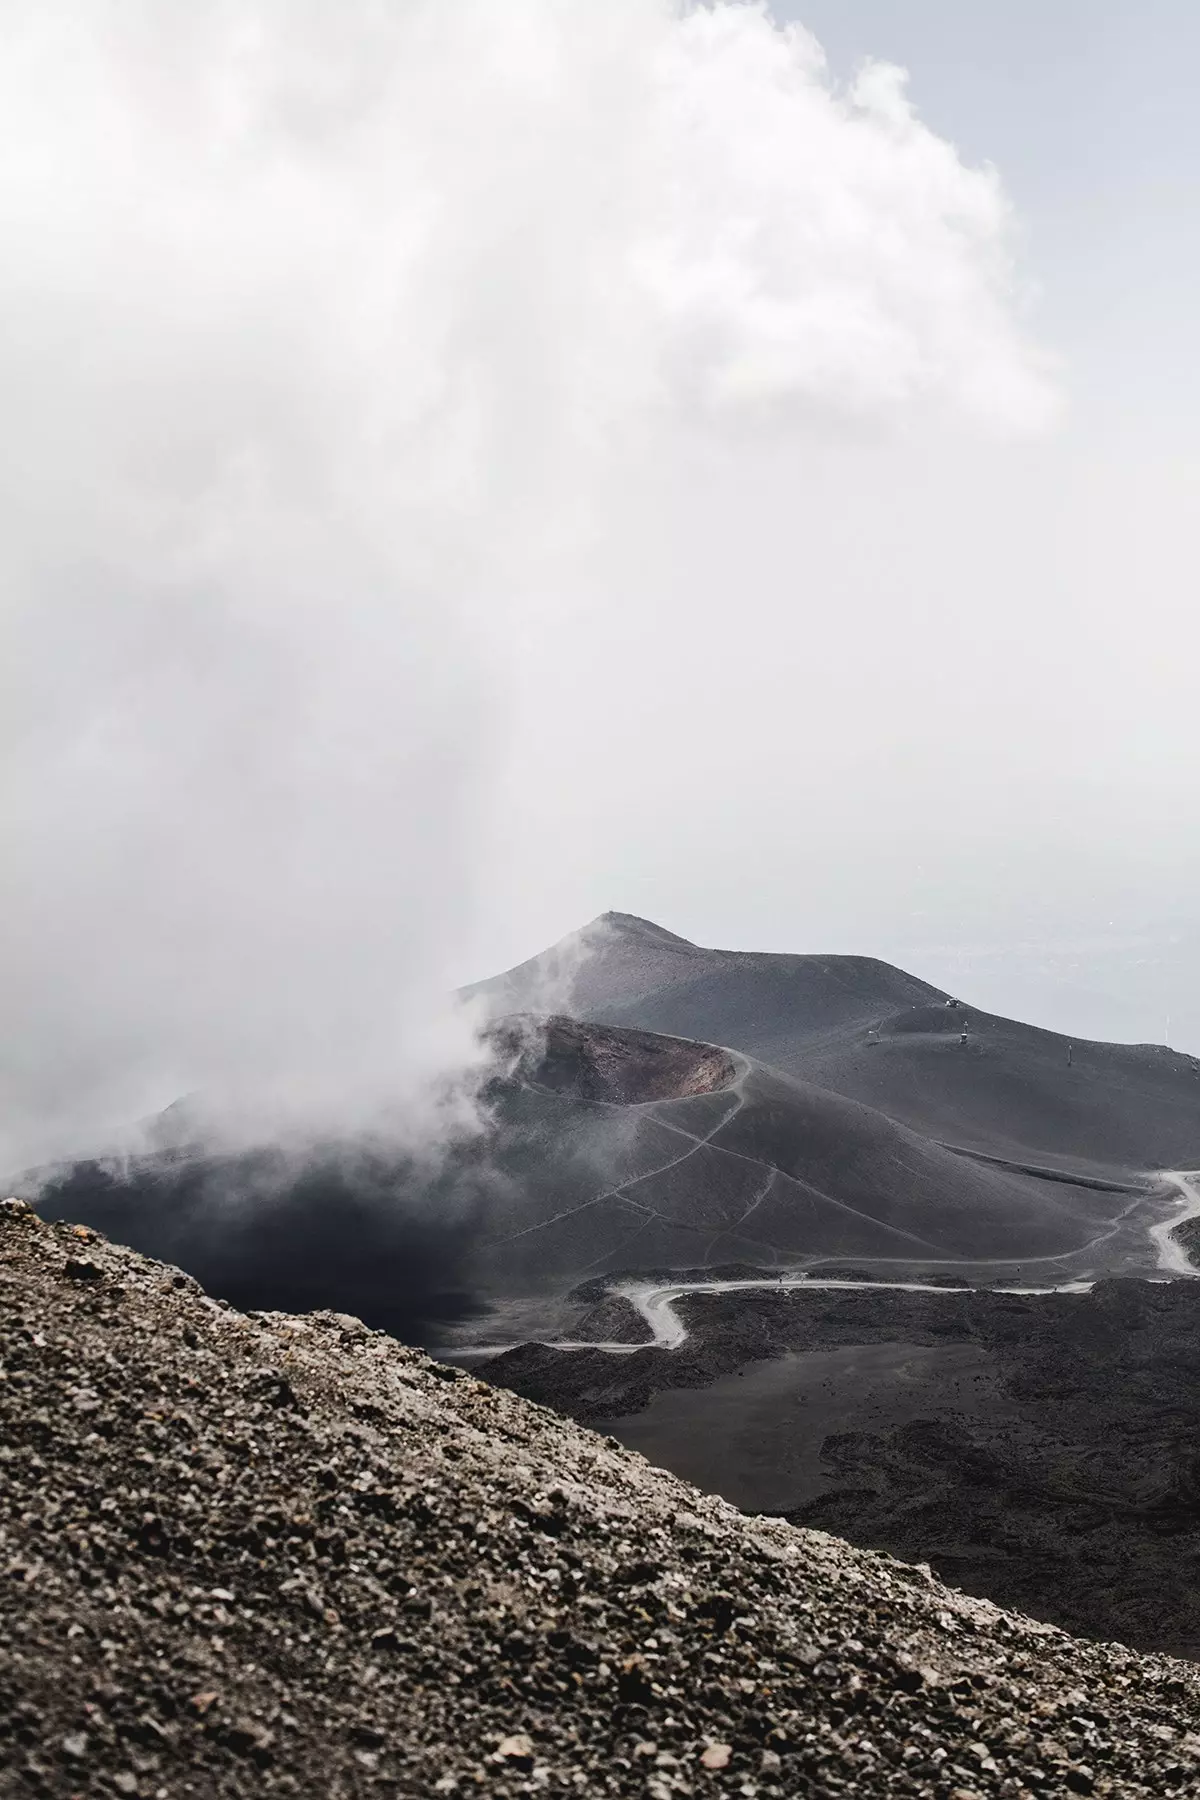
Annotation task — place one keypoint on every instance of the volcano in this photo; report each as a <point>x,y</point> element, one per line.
<point>859,1028</point>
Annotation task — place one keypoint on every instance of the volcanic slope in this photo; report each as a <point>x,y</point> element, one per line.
<point>609,1150</point>
<point>746,1164</point>
<point>880,1036</point>
<point>276,1555</point>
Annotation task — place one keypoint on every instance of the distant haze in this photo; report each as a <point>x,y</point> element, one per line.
<point>469,466</point>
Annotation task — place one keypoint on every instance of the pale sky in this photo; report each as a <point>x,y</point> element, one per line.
<point>472,464</point>
<point>1089,112</point>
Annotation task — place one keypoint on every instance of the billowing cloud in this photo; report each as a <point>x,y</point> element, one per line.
<point>328,336</point>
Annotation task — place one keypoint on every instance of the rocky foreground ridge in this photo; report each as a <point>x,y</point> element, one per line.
<point>273,1555</point>
<point>1042,1449</point>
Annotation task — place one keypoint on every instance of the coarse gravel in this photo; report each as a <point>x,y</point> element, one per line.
<point>248,1555</point>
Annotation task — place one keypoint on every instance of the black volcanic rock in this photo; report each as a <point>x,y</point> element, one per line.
<point>288,1556</point>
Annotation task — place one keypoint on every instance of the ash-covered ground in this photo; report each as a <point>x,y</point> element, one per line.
<point>277,1555</point>
<point>1039,1449</point>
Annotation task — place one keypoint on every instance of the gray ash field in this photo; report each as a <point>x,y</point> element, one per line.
<point>264,1555</point>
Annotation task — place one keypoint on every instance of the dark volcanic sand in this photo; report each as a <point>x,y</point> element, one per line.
<point>757,1437</point>
<point>861,1028</point>
<point>1041,1450</point>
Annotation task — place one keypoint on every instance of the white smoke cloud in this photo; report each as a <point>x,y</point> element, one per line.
<point>328,336</point>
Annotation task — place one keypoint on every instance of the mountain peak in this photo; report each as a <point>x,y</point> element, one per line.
<point>631,925</point>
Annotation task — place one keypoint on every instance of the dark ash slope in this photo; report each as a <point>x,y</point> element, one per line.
<point>620,962</point>
<point>610,1150</point>
<point>1041,1450</point>
<point>765,1170</point>
<point>284,1556</point>
<point>880,1036</point>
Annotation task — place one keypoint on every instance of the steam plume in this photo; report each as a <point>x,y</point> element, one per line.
<point>330,336</point>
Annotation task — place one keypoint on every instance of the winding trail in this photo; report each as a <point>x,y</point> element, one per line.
<point>1173,1258</point>
<point>655,1302</point>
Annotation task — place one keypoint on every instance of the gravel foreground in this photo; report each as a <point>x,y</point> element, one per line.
<point>272,1555</point>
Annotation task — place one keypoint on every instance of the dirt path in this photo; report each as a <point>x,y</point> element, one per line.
<point>656,1302</point>
<point>1173,1258</point>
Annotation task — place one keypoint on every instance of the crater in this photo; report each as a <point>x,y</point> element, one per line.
<point>614,1065</point>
